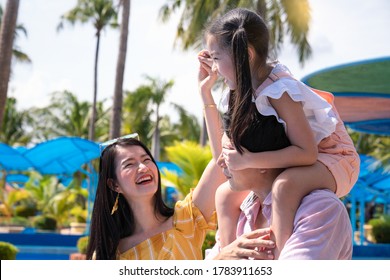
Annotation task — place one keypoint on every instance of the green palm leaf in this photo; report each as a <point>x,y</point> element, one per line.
<point>192,159</point>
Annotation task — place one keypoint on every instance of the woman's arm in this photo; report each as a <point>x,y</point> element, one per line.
<point>212,177</point>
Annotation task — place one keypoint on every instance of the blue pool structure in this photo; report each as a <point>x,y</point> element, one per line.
<point>34,245</point>
<point>371,252</point>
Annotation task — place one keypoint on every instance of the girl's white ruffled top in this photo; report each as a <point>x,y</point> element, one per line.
<point>318,111</point>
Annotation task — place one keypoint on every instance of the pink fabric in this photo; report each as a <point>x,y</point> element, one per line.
<point>322,229</point>
<point>337,152</point>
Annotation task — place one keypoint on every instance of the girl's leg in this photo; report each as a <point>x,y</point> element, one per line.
<point>227,204</point>
<point>287,192</point>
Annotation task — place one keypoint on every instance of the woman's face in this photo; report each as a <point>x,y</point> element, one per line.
<point>137,175</point>
<point>222,62</point>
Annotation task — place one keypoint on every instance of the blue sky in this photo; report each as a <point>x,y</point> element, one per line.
<point>342,31</point>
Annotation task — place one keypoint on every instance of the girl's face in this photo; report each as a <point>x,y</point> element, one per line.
<point>222,62</point>
<point>137,175</point>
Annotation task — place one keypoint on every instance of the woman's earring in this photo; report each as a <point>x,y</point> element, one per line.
<point>115,207</point>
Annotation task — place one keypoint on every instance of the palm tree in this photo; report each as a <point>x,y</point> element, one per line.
<point>285,17</point>
<point>137,113</point>
<point>192,160</point>
<point>159,91</point>
<point>70,116</point>
<point>169,134</point>
<point>116,116</point>
<point>11,199</point>
<point>66,115</point>
<point>381,151</point>
<point>53,198</point>
<point>138,110</point>
<point>102,13</point>
<point>17,54</point>
<point>15,125</point>
<point>102,125</point>
<point>188,127</point>
<point>140,105</point>
<point>376,146</point>
<point>7,34</point>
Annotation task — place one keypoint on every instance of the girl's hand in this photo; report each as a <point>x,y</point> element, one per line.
<point>207,76</point>
<point>254,245</point>
<point>236,161</point>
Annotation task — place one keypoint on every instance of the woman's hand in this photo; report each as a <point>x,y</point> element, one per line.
<point>254,245</point>
<point>207,76</point>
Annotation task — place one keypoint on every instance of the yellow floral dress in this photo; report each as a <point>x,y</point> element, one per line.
<point>182,242</point>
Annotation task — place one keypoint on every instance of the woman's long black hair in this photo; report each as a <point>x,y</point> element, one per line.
<point>106,230</point>
<point>234,32</point>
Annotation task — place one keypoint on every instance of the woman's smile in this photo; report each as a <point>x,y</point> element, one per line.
<point>144,179</point>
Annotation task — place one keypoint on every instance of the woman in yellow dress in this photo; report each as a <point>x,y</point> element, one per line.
<point>130,219</point>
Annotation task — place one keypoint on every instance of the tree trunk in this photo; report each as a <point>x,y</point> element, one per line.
<point>7,34</point>
<point>262,8</point>
<point>156,143</point>
<point>156,137</point>
<point>91,134</point>
<point>116,116</point>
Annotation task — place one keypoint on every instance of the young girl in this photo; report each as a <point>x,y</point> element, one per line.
<point>321,155</point>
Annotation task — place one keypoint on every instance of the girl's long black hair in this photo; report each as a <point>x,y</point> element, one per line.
<point>234,32</point>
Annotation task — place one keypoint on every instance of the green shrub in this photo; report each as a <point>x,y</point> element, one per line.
<point>26,209</point>
<point>14,221</point>
<point>381,229</point>
<point>19,221</point>
<point>45,222</point>
<point>82,244</point>
<point>79,213</point>
<point>7,251</point>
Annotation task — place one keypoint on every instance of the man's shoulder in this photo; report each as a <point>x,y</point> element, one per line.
<point>322,194</point>
<point>322,229</point>
<point>320,201</point>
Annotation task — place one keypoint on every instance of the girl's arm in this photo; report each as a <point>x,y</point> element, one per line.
<point>303,149</point>
<point>212,177</point>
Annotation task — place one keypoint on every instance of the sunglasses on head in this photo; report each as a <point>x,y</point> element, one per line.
<point>104,145</point>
